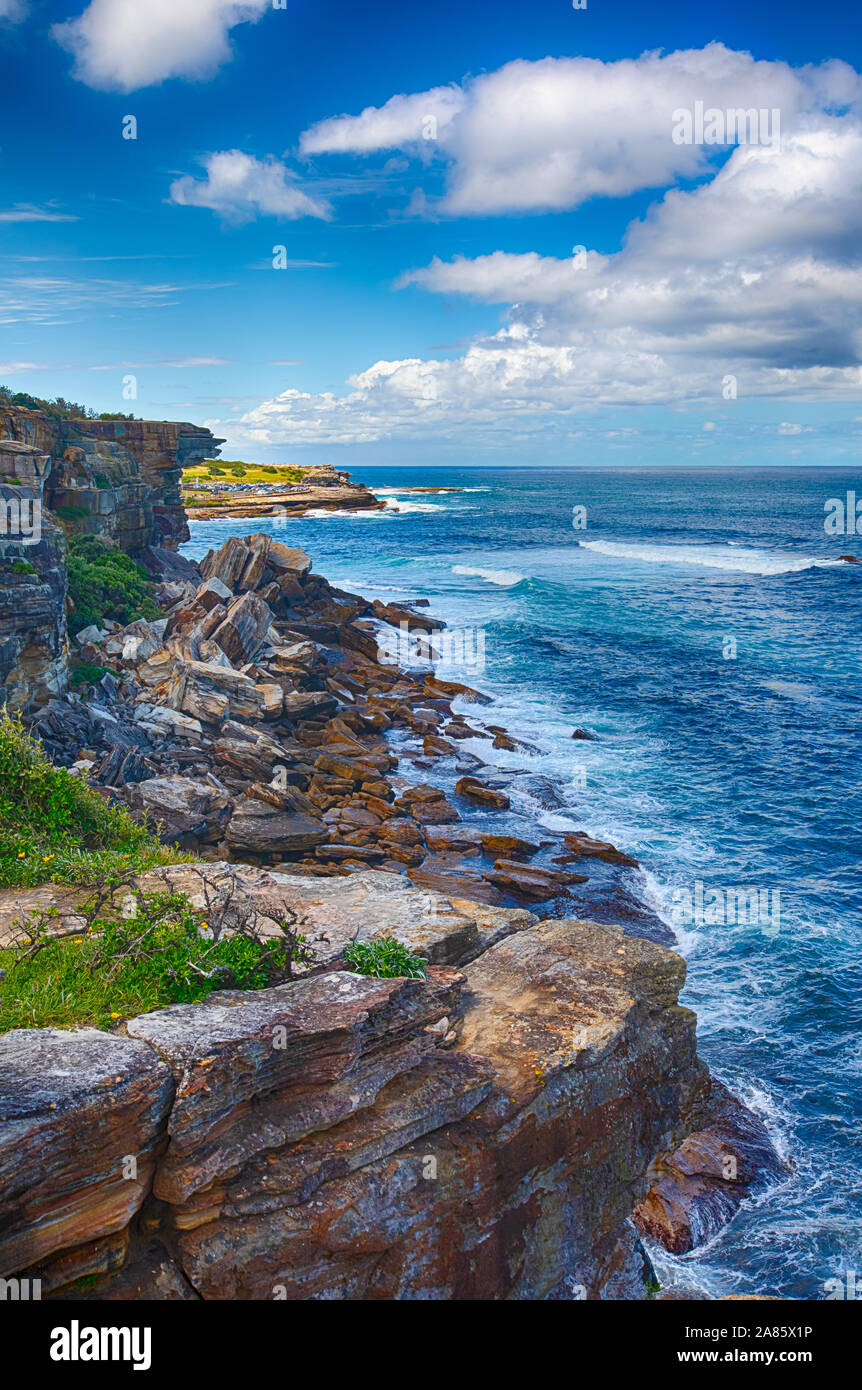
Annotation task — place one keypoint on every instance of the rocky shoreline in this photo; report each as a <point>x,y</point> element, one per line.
<point>258,723</point>
<point>322,489</point>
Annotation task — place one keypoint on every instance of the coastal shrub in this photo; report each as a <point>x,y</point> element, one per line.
<point>87,674</point>
<point>54,828</point>
<point>386,958</point>
<point>130,951</point>
<point>106,583</point>
<point>22,567</point>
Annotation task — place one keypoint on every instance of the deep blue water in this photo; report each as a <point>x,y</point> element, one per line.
<point>734,770</point>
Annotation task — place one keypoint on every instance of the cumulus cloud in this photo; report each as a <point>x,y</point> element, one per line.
<point>549,135</point>
<point>121,45</point>
<point>755,274</point>
<point>241,187</point>
<point>13,11</point>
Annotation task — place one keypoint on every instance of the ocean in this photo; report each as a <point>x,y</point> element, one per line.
<point>700,623</point>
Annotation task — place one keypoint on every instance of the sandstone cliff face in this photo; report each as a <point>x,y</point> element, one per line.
<point>161,449</point>
<point>483,1134</point>
<point>34,647</point>
<point>119,479</point>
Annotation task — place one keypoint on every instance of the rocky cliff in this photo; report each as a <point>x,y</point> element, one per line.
<point>119,480</point>
<point>500,1130</point>
<point>482,1134</point>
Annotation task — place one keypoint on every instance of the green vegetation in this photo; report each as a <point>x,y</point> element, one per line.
<point>106,583</point>
<point>21,567</point>
<point>210,470</point>
<point>71,513</point>
<point>54,828</point>
<point>86,674</point>
<point>384,957</point>
<point>58,408</point>
<point>132,950</point>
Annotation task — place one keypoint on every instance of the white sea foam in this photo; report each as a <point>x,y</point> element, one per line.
<point>323,513</point>
<point>505,578</point>
<point>403,506</point>
<point>711,557</point>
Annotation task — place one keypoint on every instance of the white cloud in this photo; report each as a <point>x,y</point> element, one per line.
<point>755,274</point>
<point>13,10</point>
<point>405,120</point>
<point>121,45</point>
<point>28,212</point>
<point>551,134</point>
<point>241,187</point>
<point>52,300</point>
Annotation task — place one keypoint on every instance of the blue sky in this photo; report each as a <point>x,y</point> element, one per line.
<point>433,307</point>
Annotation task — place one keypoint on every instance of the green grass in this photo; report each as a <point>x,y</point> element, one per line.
<point>126,966</point>
<point>56,829</point>
<point>386,958</point>
<point>234,470</point>
<point>104,582</point>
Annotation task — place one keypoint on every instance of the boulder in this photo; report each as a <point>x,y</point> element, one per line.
<point>700,1186</point>
<point>257,827</point>
<point>243,630</point>
<point>73,1107</point>
<point>508,846</point>
<point>186,810</point>
<point>530,881</point>
<point>475,790</point>
<point>581,846</point>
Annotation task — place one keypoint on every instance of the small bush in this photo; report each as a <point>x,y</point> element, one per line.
<point>132,950</point>
<point>106,583</point>
<point>386,958</point>
<point>86,674</point>
<point>22,567</point>
<point>54,828</point>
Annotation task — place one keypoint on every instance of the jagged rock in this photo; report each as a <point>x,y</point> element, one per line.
<point>376,1195</point>
<point>465,839</point>
<point>475,790</point>
<point>309,704</point>
<point>73,1107</point>
<point>396,613</point>
<point>508,846</point>
<point>447,874</point>
<point>185,810</point>
<point>159,722</point>
<point>699,1187</point>
<point>167,566</point>
<point>581,846</point>
<point>530,881</point>
<point>227,563</point>
<point>287,560</point>
<point>243,631</point>
<point>258,828</point>
<point>428,805</point>
<point>254,1071</point>
<point>212,693</point>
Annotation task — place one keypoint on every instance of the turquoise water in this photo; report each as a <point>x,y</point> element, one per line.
<point>702,625</point>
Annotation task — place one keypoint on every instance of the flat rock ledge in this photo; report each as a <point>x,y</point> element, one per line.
<point>482,1134</point>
